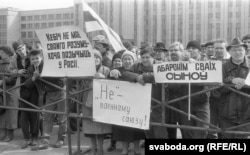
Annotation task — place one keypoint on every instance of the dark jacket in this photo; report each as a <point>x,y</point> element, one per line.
<point>40,86</point>
<point>235,107</point>
<point>28,94</point>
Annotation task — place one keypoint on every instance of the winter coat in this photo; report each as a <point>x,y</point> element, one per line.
<point>235,107</point>
<point>90,126</point>
<point>8,120</point>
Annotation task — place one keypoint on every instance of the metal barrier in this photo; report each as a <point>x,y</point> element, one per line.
<point>76,97</point>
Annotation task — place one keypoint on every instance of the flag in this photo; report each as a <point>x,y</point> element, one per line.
<point>91,24</point>
<point>94,23</point>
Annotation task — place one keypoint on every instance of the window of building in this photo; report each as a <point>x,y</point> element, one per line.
<point>71,23</point>
<point>191,16</point>
<point>51,24</point>
<point>23,18</point>
<point>51,16</point>
<point>198,16</point>
<point>191,4</point>
<point>217,15</point>
<point>65,23</point>
<point>217,4</point>
<point>198,36</point>
<point>3,34</point>
<point>30,18</point>
<point>210,4</point>
<point>37,17</point>
<point>3,26</point>
<point>23,26</point>
<point>66,16</point>
<point>30,25</point>
<point>198,27</point>
<point>210,15</point>
<point>58,24</point>
<point>37,25</point>
<point>72,15</point>
<point>230,3</point>
<point>30,34</point>
<point>23,35</point>
<point>3,42</point>
<point>190,35</point>
<point>237,14</point>
<point>230,14</point>
<point>218,33</point>
<point>58,16</point>
<point>44,25</point>
<point>3,18</point>
<point>44,17</point>
<point>238,3</point>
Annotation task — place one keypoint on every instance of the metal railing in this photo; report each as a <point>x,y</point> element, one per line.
<point>75,96</point>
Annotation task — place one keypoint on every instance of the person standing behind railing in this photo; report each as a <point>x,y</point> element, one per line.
<point>29,120</point>
<point>18,67</point>
<point>234,108</point>
<point>215,95</point>
<point>52,95</point>
<point>94,130</point>
<point>8,120</point>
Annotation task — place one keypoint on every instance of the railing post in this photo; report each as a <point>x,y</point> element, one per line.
<point>162,103</point>
<point>67,114</point>
<point>4,90</point>
<point>78,118</point>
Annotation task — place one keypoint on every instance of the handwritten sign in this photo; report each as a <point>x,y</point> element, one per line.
<point>122,103</point>
<point>67,52</point>
<point>188,72</point>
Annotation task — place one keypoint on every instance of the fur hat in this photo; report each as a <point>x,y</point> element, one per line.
<point>195,44</point>
<point>129,53</point>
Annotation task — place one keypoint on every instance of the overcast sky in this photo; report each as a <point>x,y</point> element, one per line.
<point>36,4</point>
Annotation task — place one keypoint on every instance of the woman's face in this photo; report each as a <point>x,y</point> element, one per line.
<point>127,61</point>
<point>97,60</point>
<point>147,59</point>
<point>117,63</point>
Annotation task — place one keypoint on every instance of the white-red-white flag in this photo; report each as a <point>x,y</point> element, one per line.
<point>94,23</point>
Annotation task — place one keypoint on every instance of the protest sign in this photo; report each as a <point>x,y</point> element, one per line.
<point>67,52</point>
<point>188,72</point>
<point>122,103</point>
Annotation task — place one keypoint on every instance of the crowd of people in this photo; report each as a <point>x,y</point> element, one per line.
<point>220,107</point>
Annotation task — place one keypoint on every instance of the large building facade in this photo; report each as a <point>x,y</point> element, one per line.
<point>138,20</point>
<point>177,20</point>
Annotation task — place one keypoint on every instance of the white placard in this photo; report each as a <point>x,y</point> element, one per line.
<point>188,72</point>
<point>122,103</point>
<point>67,52</point>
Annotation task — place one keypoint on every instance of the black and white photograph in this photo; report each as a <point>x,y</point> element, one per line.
<point>124,77</point>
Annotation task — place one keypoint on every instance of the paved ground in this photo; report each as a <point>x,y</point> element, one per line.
<point>13,148</point>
